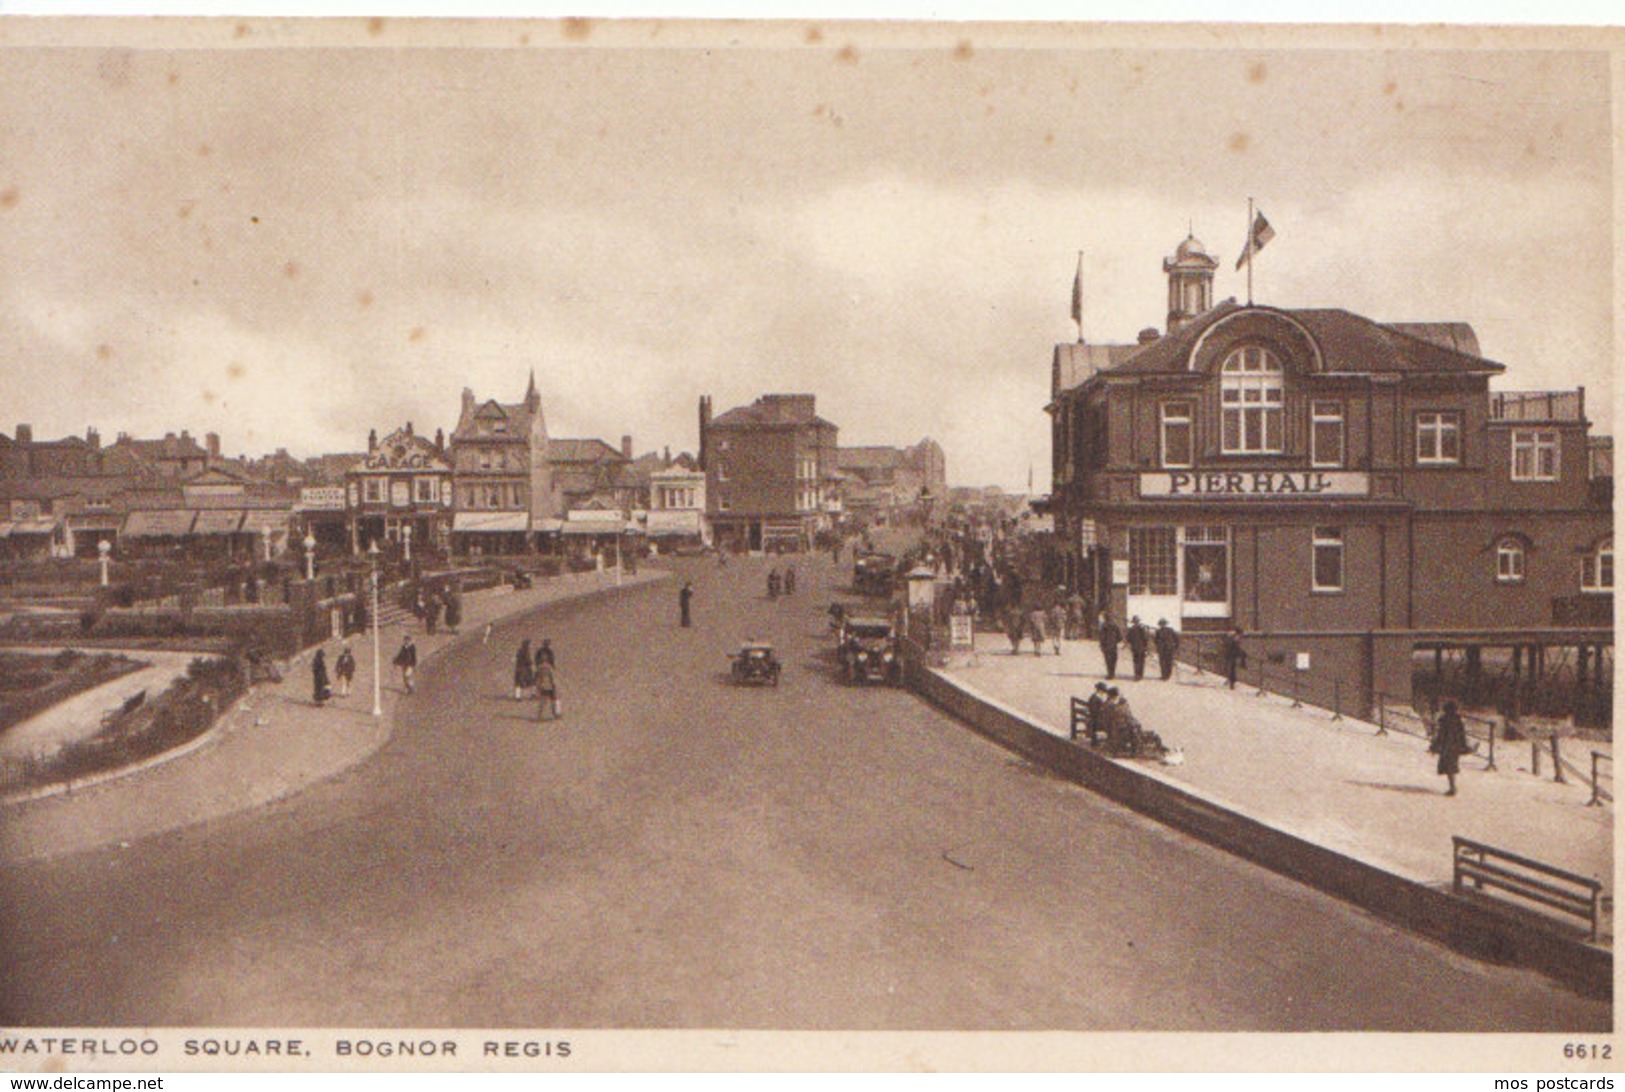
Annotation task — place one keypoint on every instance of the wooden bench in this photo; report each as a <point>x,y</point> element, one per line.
<point>1485,866</point>
<point>1079,719</point>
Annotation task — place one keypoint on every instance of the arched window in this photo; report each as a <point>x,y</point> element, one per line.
<point>1251,395</point>
<point>1597,568</point>
<point>1509,561</point>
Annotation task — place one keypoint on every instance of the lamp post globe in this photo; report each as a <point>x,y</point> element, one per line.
<point>310,555</point>
<point>104,551</point>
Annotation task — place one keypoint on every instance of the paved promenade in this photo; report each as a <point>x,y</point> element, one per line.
<point>270,745</point>
<point>1335,783</point>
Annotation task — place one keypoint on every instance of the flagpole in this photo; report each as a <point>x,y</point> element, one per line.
<point>1249,252</point>
<point>1077,297</point>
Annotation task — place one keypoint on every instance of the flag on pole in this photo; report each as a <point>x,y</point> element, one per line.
<point>1262,233</point>
<point>1077,296</point>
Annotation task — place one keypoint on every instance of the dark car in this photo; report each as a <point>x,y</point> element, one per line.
<point>755,662</point>
<point>869,650</point>
<point>872,574</point>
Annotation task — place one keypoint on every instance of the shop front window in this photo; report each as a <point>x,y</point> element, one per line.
<point>1153,561</point>
<point>1207,565</point>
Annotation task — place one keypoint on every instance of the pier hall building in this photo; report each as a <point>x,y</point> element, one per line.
<point>1344,490</point>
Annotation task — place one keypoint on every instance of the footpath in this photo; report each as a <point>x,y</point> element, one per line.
<point>271,744</point>
<point>1338,784</point>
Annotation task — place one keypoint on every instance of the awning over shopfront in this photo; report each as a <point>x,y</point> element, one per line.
<point>609,525</point>
<point>39,525</point>
<point>490,522</point>
<point>218,521</point>
<point>680,522</point>
<point>258,521</point>
<point>549,526</point>
<point>159,523</point>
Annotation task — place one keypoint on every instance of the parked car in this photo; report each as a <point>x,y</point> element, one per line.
<point>755,662</point>
<point>869,651</point>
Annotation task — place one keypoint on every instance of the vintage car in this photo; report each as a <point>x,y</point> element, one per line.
<point>872,574</point>
<point>868,650</point>
<point>755,662</point>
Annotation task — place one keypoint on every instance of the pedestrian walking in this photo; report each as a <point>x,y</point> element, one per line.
<point>684,597</point>
<point>524,670</point>
<point>544,654</point>
<point>1055,618</point>
<point>789,580</point>
<point>547,692</point>
<point>1167,641</point>
<point>1014,626</point>
<point>1450,743</point>
<point>1235,657</point>
<point>1110,637</point>
<point>1035,630</point>
<point>454,610</point>
<point>1139,643</point>
<point>321,690</point>
<point>773,583</point>
<point>406,658</point>
<point>431,612</point>
<point>344,670</point>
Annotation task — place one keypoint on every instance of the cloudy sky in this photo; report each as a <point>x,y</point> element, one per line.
<point>290,246</point>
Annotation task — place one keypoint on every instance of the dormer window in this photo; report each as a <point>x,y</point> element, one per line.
<point>1251,399</point>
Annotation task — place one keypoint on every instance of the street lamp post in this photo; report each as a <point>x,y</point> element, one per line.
<point>105,551</point>
<point>265,537</point>
<point>310,555</point>
<point>406,540</point>
<point>377,656</point>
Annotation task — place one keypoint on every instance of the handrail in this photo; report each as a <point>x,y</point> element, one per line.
<point>1481,864</point>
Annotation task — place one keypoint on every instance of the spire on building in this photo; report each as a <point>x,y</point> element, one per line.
<point>532,399</point>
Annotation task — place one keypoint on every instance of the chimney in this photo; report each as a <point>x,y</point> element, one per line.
<point>25,434</point>
<point>440,439</point>
<point>186,437</point>
<point>409,428</point>
<point>626,447</point>
<point>1148,335</point>
<point>372,441</point>
<point>705,428</point>
<point>211,443</point>
<point>93,438</point>
<point>666,459</point>
<point>468,401</point>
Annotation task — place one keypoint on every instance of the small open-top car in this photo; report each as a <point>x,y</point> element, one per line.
<point>754,663</point>
<point>869,650</point>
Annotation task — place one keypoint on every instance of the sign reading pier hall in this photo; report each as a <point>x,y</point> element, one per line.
<point>1249,484</point>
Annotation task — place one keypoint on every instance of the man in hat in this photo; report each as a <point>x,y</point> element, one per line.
<point>1092,712</point>
<point>1167,641</point>
<point>1109,638</point>
<point>1139,643</point>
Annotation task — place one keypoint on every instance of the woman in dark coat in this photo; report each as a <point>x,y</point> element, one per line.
<point>1450,743</point>
<point>321,690</point>
<point>524,670</point>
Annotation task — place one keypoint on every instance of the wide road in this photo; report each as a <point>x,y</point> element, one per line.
<point>678,852</point>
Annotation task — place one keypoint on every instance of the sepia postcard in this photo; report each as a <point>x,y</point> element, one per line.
<point>597,545</point>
